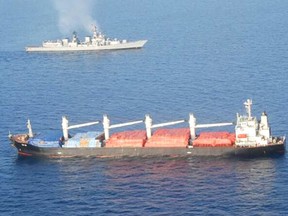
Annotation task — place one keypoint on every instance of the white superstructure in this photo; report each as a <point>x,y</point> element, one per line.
<point>97,42</point>
<point>251,132</point>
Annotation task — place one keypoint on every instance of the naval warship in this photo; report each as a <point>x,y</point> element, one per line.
<point>97,42</point>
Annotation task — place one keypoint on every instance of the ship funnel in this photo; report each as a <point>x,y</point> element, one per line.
<point>264,128</point>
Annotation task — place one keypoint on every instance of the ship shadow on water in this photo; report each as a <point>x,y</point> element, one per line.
<point>30,160</point>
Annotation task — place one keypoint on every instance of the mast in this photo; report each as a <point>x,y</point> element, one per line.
<point>29,128</point>
<point>94,30</point>
<point>248,105</point>
<point>65,124</point>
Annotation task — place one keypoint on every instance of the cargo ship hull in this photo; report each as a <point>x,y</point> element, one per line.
<point>25,149</point>
<point>121,46</point>
<point>252,138</point>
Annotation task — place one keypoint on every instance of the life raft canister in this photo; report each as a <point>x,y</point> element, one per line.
<point>242,136</point>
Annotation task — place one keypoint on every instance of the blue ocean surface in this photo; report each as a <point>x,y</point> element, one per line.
<point>203,56</point>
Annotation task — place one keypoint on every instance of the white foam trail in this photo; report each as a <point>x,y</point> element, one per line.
<point>75,15</point>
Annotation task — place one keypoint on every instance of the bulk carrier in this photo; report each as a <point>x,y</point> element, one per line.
<point>251,137</point>
<point>97,42</point>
